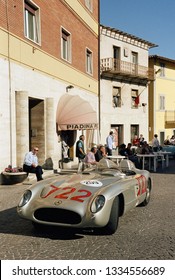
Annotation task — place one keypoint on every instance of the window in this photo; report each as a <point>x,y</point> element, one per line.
<point>134,131</point>
<point>88,4</point>
<point>65,45</point>
<point>116,96</point>
<point>134,99</point>
<point>134,57</point>
<point>116,52</point>
<point>88,61</point>
<point>32,21</point>
<point>125,52</point>
<point>162,102</point>
<point>162,66</point>
<point>116,56</point>
<point>162,137</point>
<point>134,63</point>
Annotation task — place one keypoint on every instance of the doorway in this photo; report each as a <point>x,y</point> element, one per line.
<point>134,131</point>
<point>36,126</point>
<point>118,134</point>
<point>162,137</point>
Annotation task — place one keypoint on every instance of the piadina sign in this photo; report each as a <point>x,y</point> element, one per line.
<point>82,126</point>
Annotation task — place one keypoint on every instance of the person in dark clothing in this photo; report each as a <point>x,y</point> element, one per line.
<point>127,152</point>
<point>80,153</point>
<point>100,153</point>
<point>122,150</point>
<point>146,149</point>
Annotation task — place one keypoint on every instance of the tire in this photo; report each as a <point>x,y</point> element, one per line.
<point>148,194</point>
<point>112,224</point>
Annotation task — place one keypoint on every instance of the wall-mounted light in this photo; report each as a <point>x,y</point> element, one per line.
<point>34,49</point>
<point>159,70</point>
<point>69,87</point>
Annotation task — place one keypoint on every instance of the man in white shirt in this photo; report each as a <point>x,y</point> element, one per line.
<point>109,143</point>
<point>31,164</point>
<point>155,143</point>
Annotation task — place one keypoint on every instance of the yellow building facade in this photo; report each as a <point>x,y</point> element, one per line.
<point>162,98</point>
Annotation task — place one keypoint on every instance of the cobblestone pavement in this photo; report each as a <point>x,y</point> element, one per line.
<point>143,233</point>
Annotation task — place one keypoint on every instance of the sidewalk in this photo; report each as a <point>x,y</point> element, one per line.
<point>31,179</point>
<point>167,170</point>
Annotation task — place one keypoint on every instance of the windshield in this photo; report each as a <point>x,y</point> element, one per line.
<point>106,164</point>
<point>103,164</point>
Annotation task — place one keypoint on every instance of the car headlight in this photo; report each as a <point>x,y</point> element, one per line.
<point>97,203</point>
<point>26,197</point>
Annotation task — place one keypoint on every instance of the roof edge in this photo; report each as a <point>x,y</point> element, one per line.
<point>151,45</point>
<point>161,58</point>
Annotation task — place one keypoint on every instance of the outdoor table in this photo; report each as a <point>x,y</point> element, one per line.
<point>116,158</point>
<point>150,156</point>
<point>166,154</point>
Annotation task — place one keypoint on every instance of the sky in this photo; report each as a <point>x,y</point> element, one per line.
<point>150,20</point>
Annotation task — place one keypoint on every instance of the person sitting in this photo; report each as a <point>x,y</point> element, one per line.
<point>135,141</point>
<point>31,163</point>
<point>141,139</point>
<point>138,150</point>
<point>90,157</point>
<point>146,149</point>
<point>100,153</point>
<point>122,150</point>
<point>167,141</point>
<point>127,152</point>
<point>172,140</point>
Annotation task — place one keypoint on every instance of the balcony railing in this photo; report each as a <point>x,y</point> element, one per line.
<point>169,119</point>
<point>112,66</point>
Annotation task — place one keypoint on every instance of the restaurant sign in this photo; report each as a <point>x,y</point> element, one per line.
<point>82,126</point>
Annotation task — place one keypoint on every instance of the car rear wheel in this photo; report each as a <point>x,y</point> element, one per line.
<point>112,224</point>
<point>148,193</point>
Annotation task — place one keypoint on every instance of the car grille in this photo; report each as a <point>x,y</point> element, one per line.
<point>60,216</point>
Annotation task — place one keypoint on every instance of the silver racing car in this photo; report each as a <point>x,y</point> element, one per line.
<point>94,198</point>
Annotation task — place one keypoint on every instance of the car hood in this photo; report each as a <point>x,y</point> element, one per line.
<point>71,191</point>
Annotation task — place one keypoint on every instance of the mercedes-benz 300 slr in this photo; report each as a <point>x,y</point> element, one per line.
<point>94,198</point>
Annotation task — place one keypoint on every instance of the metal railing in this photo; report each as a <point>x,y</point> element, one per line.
<point>119,67</point>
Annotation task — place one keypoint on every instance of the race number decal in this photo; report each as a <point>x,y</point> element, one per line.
<point>142,185</point>
<point>64,193</point>
<point>91,183</point>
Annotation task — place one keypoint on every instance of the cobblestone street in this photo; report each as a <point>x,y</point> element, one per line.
<point>143,233</point>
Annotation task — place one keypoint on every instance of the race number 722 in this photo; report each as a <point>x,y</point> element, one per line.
<point>66,193</point>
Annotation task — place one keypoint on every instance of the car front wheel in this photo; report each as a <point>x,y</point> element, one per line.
<point>112,224</point>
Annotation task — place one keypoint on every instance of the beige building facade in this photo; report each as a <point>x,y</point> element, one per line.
<point>47,50</point>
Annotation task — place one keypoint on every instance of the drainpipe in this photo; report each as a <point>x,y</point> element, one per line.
<point>99,95</point>
<point>9,78</point>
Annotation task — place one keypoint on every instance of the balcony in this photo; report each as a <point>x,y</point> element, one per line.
<point>169,119</point>
<point>125,71</point>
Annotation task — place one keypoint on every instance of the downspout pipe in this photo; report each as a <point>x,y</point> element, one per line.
<point>9,78</point>
<point>99,94</point>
